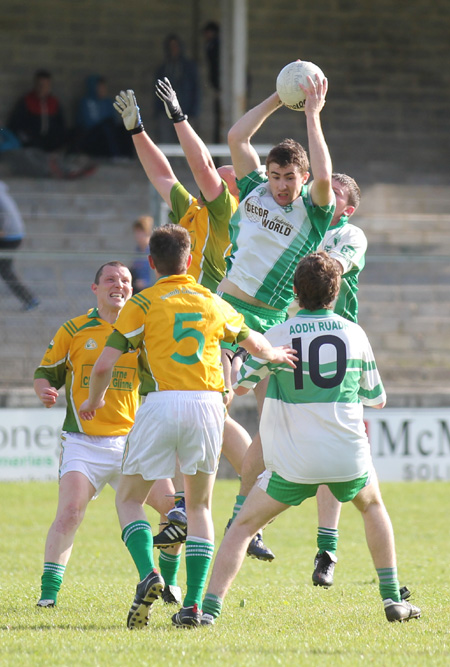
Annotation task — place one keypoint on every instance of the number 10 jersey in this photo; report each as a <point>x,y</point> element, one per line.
<point>312,427</point>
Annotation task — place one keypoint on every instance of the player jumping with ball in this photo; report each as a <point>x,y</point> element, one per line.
<point>279,220</point>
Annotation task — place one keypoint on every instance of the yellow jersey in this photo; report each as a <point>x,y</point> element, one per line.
<point>208,226</point>
<point>68,361</point>
<point>178,325</point>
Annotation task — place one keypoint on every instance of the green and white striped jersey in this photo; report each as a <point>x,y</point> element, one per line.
<point>312,427</point>
<point>268,240</point>
<point>347,244</point>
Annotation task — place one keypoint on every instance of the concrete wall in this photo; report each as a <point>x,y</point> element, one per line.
<point>387,116</point>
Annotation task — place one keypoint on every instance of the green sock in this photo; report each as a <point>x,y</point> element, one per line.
<point>199,553</point>
<point>51,581</point>
<point>138,539</point>
<point>168,566</point>
<point>237,505</point>
<point>179,497</point>
<point>388,583</point>
<point>212,605</point>
<point>327,539</point>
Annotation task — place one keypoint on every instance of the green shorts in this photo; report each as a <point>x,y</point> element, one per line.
<point>291,493</point>
<point>257,318</point>
<point>229,346</point>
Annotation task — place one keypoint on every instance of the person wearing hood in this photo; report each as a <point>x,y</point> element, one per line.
<point>98,132</point>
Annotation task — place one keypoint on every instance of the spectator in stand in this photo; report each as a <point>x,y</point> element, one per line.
<point>37,118</point>
<point>37,122</point>
<point>141,272</point>
<point>98,133</point>
<point>12,231</point>
<point>183,75</point>
<point>211,36</point>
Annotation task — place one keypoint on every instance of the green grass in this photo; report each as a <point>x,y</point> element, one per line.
<point>272,615</point>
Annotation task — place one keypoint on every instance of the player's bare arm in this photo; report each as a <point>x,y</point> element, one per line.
<point>100,378</point>
<point>319,155</point>
<point>260,347</point>
<point>45,392</point>
<point>243,155</point>
<point>197,154</point>
<point>155,164</point>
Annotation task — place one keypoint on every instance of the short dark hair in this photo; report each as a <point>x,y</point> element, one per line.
<point>144,223</point>
<point>100,270</point>
<point>42,74</point>
<point>317,280</point>
<point>212,26</point>
<point>170,247</point>
<point>289,152</point>
<point>354,193</point>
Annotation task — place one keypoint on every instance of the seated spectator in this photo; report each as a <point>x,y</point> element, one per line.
<point>37,118</point>
<point>35,142</point>
<point>142,274</point>
<point>98,133</point>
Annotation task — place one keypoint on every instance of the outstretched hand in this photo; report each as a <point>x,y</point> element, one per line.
<point>315,92</point>
<point>168,96</point>
<point>126,105</point>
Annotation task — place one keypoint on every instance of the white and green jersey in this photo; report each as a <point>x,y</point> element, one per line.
<point>312,427</point>
<point>347,244</point>
<point>268,240</point>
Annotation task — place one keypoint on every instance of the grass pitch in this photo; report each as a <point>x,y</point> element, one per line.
<point>273,614</point>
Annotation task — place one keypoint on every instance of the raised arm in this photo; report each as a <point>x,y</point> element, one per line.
<point>244,157</point>
<point>197,154</point>
<point>156,165</point>
<point>319,155</point>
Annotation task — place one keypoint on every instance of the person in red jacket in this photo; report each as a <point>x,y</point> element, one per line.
<point>37,118</point>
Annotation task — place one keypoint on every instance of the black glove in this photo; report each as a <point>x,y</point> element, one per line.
<point>166,94</point>
<point>241,353</point>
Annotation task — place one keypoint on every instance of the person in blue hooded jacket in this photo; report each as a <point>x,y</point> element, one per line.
<point>98,133</point>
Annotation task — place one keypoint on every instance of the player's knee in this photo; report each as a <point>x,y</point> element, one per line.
<point>70,517</point>
<point>368,498</point>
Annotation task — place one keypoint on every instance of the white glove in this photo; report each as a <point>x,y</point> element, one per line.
<point>126,105</point>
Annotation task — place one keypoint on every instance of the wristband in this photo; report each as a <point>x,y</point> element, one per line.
<point>180,118</point>
<point>241,353</point>
<point>137,130</point>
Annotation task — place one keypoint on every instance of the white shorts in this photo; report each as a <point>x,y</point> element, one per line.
<point>170,423</point>
<point>99,458</point>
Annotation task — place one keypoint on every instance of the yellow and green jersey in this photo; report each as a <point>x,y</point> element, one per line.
<point>208,227</point>
<point>69,360</point>
<point>178,325</point>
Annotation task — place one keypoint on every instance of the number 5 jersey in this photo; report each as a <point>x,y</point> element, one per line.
<point>178,325</point>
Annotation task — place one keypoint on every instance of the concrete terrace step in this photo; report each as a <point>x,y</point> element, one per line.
<point>404,296</point>
<point>388,222</point>
<point>118,237</point>
<point>416,200</point>
<point>374,293</point>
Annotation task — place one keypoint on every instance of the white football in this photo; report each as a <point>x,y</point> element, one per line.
<point>288,81</point>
